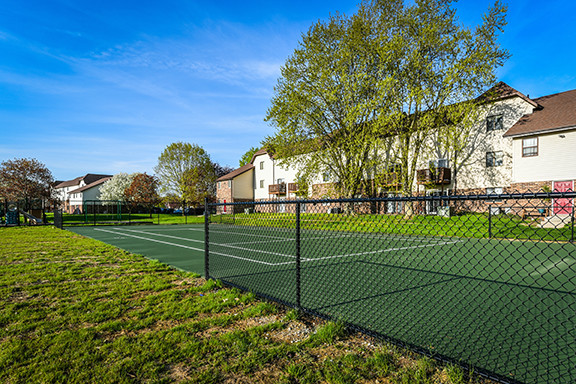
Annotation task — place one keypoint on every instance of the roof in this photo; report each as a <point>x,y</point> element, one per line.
<point>557,112</point>
<point>502,91</point>
<point>91,185</point>
<point>69,183</point>
<point>89,178</point>
<point>259,152</point>
<point>236,172</point>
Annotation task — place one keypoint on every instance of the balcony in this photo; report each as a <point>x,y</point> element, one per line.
<point>391,179</point>
<point>292,187</point>
<point>277,189</point>
<point>436,176</point>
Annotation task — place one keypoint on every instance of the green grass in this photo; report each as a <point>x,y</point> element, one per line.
<point>162,218</point>
<point>471,225</point>
<point>75,310</point>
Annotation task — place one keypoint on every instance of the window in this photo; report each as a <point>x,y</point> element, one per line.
<point>219,184</point>
<point>494,123</point>
<point>494,191</point>
<point>440,163</point>
<point>326,176</point>
<point>530,147</point>
<point>229,183</point>
<point>261,165</point>
<point>261,183</point>
<point>494,159</point>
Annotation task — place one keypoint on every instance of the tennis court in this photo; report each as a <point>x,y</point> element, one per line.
<point>506,306</point>
<point>503,306</point>
<point>181,246</point>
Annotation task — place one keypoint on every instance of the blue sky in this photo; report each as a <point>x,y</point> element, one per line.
<point>104,86</point>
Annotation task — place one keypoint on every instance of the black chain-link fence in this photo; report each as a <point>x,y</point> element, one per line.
<point>116,212</point>
<point>488,282</point>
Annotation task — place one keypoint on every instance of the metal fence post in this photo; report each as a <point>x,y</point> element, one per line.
<point>489,221</point>
<point>298,292</point>
<point>206,240</point>
<point>572,222</point>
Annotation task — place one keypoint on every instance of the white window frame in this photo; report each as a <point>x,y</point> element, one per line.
<point>530,147</point>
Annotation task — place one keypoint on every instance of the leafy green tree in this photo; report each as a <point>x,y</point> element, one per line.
<point>364,92</point>
<point>185,170</point>
<point>245,159</point>
<point>437,68</point>
<point>325,103</point>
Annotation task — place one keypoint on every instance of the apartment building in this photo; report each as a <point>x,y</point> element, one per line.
<point>72,193</point>
<point>518,144</point>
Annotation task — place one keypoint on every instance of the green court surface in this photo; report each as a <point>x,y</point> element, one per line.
<point>181,246</point>
<point>503,306</point>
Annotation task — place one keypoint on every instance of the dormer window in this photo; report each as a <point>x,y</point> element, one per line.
<point>494,123</point>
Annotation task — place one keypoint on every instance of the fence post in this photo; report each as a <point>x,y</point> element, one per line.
<point>572,222</point>
<point>298,292</point>
<point>489,221</point>
<point>206,240</point>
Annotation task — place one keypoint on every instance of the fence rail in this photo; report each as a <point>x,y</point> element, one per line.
<point>485,281</point>
<point>117,212</point>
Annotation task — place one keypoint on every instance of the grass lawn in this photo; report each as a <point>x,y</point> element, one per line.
<point>76,310</point>
<point>471,225</point>
<point>155,218</point>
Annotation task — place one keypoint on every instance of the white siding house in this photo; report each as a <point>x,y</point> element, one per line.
<point>518,144</point>
<point>70,194</point>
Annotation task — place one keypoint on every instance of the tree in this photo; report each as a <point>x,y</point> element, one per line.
<point>325,104</point>
<point>115,188</point>
<point>247,157</point>
<point>437,68</point>
<point>362,93</point>
<point>185,170</point>
<point>143,190</point>
<point>25,178</point>
<point>220,170</point>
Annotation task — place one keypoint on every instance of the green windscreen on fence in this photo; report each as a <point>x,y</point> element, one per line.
<point>487,283</point>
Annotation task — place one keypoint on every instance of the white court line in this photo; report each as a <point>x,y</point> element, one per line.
<point>158,234</point>
<point>196,249</point>
<point>338,256</point>
<point>182,238</point>
<point>252,260</point>
<point>145,238</point>
<point>383,250</point>
<point>290,239</point>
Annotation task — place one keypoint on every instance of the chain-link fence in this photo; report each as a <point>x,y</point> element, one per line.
<point>488,281</point>
<point>116,212</point>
